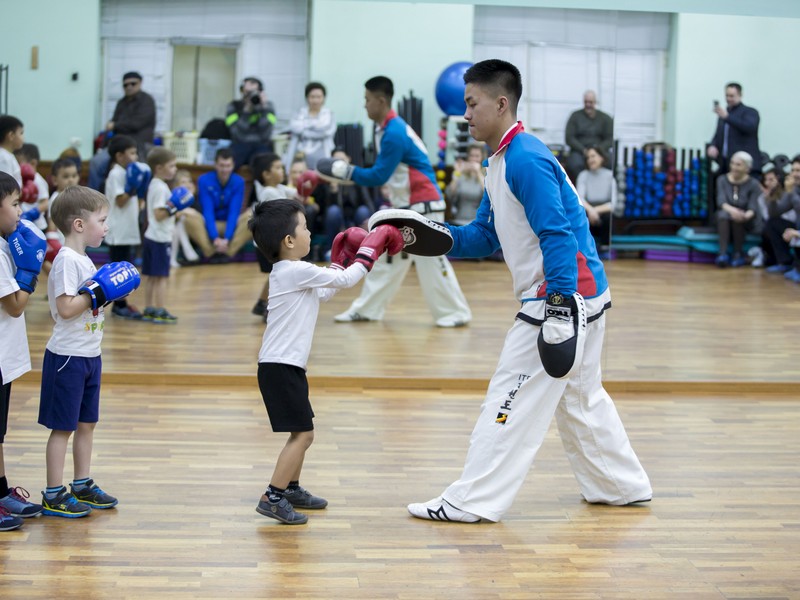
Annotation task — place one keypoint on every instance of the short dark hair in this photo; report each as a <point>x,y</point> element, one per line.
<point>734,85</point>
<point>271,222</point>
<point>75,202</point>
<point>500,74</point>
<point>315,85</point>
<point>28,152</point>
<point>255,80</point>
<point>132,75</point>
<point>380,85</point>
<point>159,156</point>
<point>120,143</point>
<point>8,185</point>
<point>223,153</point>
<point>8,124</point>
<point>263,162</point>
<point>62,163</point>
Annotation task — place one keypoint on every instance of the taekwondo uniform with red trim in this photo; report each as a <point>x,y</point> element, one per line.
<point>403,164</point>
<point>532,211</point>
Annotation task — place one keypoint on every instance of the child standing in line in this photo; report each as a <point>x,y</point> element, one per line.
<point>162,206</point>
<point>70,396</point>
<point>126,187</point>
<point>21,255</point>
<point>180,238</point>
<point>12,137</point>
<point>296,289</point>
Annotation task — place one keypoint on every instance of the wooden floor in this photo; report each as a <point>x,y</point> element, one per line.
<point>703,363</point>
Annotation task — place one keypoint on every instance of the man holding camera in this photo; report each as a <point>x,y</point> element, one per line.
<point>737,129</point>
<point>250,121</point>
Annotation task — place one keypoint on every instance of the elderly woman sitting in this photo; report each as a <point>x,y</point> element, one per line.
<point>737,209</point>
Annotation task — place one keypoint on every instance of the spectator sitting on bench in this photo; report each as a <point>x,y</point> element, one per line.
<point>597,190</point>
<point>737,209</point>
<point>771,192</point>
<point>784,235</point>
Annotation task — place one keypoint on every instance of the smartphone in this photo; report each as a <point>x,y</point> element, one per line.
<point>716,104</point>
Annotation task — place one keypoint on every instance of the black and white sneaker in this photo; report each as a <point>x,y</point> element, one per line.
<point>440,509</point>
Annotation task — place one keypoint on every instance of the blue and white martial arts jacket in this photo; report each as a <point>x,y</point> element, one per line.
<point>403,163</point>
<point>531,210</point>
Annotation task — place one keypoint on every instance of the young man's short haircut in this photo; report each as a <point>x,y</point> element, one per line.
<point>315,85</point>
<point>263,162</point>
<point>75,202</point>
<point>271,222</point>
<point>62,163</point>
<point>499,74</point>
<point>8,124</point>
<point>223,154</point>
<point>8,185</point>
<point>255,80</point>
<point>159,156</point>
<point>28,153</point>
<point>381,85</point>
<point>120,143</point>
<point>736,86</point>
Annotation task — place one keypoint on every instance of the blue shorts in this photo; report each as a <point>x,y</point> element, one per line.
<point>155,258</point>
<point>70,391</point>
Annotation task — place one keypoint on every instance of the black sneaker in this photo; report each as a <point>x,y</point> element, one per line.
<point>281,511</point>
<point>219,259</point>
<point>8,522</point>
<point>93,496</point>
<point>64,505</point>
<point>260,308</point>
<point>300,497</point>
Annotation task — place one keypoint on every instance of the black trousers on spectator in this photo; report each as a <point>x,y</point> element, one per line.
<point>730,230</point>
<point>602,231</point>
<point>118,254</point>
<point>774,231</point>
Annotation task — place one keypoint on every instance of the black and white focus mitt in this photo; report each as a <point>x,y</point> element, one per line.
<point>421,236</point>
<point>563,334</point>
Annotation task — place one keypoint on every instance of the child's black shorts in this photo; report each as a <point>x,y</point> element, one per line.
<point>284,389</point>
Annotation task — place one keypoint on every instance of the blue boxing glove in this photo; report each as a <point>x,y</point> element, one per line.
<point>112,281</point>
<point>28,247</point>
<point>32,214</point>
<point>181,199</point>
<point>137,178</point>
<point>335,168</point>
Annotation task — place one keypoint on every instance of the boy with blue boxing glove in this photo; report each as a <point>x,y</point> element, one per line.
<point>70,396</point>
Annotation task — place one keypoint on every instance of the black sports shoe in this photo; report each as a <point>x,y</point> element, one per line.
<point>260,308</point>
<point>64,505</point>
<point>281,511</point>
<point>300,497</point>
<point>93,496</point>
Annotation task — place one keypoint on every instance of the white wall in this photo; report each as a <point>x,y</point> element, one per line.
<point>710,51</point>
<point>53,108</point>
<point>411,43</point>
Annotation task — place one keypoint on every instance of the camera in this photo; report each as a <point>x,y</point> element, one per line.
<point>254,97</point>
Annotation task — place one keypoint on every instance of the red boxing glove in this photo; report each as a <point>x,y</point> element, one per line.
<point>29,194</point>
<point>384,238</point>
<point>345,246</point>
<point>307,183</point>
<point>27,173</point>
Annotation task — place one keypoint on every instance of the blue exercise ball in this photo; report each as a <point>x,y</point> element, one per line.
<point>450,89</point>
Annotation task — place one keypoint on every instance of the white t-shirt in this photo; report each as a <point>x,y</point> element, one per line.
<point>123,221</point>
<point>81,335</point>
<point>10,165</point>
<point>296,288</point>
<point>15,358</point>
<point>157,195</point>
<point>265,193</point>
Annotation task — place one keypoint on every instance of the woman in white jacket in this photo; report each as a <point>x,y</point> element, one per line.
<point>312,128</point>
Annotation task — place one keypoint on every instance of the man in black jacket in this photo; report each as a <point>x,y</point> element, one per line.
<point>737,129</point>
<point>135,114</point>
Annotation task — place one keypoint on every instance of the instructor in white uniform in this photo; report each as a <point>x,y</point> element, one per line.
<point>550,362</point>
<point>403,163</point>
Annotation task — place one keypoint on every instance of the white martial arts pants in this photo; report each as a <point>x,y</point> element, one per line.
<point>514,419</point>
<point>437,279</point>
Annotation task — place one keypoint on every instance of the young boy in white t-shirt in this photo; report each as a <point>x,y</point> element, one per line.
<point>162,206</point>
<point>21,255</point>
<point>296,290</point>
<point>12,136</point>
<point>126,190</point>
<point>70,396</point>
